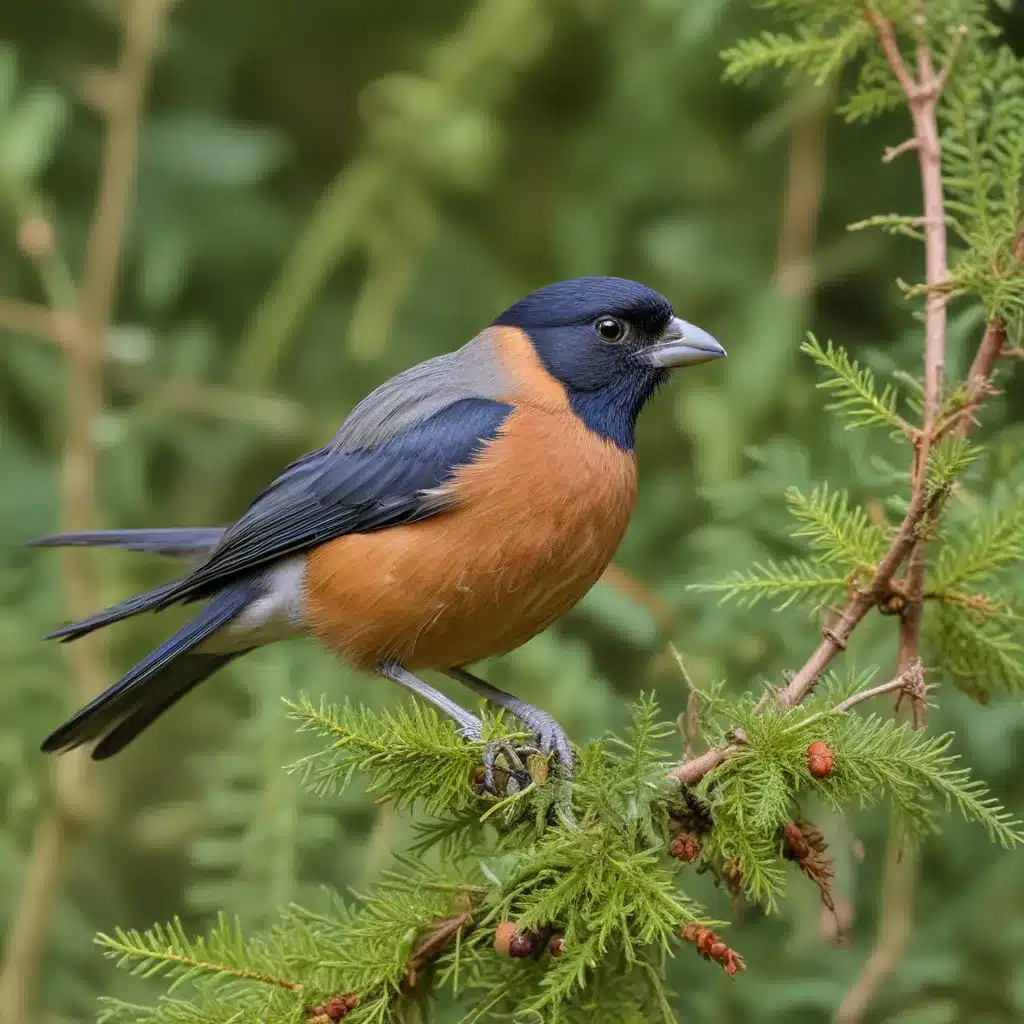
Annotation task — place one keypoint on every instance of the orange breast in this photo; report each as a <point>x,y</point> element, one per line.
<point>538,519</point>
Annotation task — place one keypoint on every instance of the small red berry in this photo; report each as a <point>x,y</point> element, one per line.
<point>819,759</point>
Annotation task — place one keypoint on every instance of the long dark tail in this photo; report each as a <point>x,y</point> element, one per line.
<point>155,684</point>
<point>164,542</point>
<point>187,541</point>
<point>147,601</point>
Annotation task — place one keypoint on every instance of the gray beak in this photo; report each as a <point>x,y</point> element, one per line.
<point>682,344</point>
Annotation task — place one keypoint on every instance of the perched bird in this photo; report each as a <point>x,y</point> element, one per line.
<point>462,507</point>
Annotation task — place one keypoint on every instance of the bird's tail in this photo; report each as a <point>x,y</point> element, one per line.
<point>147,601</point>
<point>187,541</point>
<point>164,542</point>
<point>156,683</point>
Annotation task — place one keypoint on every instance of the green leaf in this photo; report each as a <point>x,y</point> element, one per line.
<point>30,131</point>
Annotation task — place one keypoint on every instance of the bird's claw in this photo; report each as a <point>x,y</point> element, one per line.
<point>516,775</point>
<point>548,736</point>
<point>548,739</point>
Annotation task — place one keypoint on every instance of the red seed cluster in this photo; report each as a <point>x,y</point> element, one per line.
<point>711,947</point>
<point>685,847</point>
<point>333,1010</point>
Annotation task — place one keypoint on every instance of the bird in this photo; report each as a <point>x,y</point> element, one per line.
<point>462,507</point>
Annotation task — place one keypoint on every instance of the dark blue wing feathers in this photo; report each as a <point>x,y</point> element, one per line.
<point>145,602</point>
<point>161,693</point>
<point>324,495</point>
<point>330,494</point>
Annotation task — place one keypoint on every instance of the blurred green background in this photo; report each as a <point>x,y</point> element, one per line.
<point>331,191</point>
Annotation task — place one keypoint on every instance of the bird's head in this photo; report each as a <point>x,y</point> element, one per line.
<point>610,342</point>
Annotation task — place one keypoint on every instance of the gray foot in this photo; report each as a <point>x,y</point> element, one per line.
<point>549,735</point>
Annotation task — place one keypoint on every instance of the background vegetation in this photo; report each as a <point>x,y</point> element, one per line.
<point>326,194</point>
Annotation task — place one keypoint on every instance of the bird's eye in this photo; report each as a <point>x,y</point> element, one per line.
<point>610,328</point>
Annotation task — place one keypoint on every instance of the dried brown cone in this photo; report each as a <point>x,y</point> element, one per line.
<point>333,1010</point>
<point>685,847</point>
<point>711,947</point>
<point>340,1006</point>
<point>803,844</point>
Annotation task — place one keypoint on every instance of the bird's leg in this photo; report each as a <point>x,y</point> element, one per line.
<point>549,734</point>
<point>470,727</point>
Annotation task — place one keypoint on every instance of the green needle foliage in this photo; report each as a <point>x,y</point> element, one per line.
<point>854,387</point>
<point>585,862</point>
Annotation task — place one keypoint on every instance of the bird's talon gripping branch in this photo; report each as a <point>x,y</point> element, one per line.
<point>517,776</point>
<point>549,735</point>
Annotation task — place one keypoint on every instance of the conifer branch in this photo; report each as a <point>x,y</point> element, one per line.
<point>921,95</point>
<point>167,950</point>
<point>691,771</point>
<point>131,946</point>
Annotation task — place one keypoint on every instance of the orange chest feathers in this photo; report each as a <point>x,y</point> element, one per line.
<point>537,519</point>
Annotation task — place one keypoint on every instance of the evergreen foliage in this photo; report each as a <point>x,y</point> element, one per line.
<point>588,863</point>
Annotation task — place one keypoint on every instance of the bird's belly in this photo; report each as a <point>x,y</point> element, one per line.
<point>521,548</point>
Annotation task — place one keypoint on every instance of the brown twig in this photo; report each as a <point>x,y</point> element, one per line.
<point>691,771</point>
<point>910,681</point>
<point>922,96</point>
<point>73,801</point>
<point>433,943</point>
<point>31,320</point>
<point>898,888</point>
<point>802,205</point>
